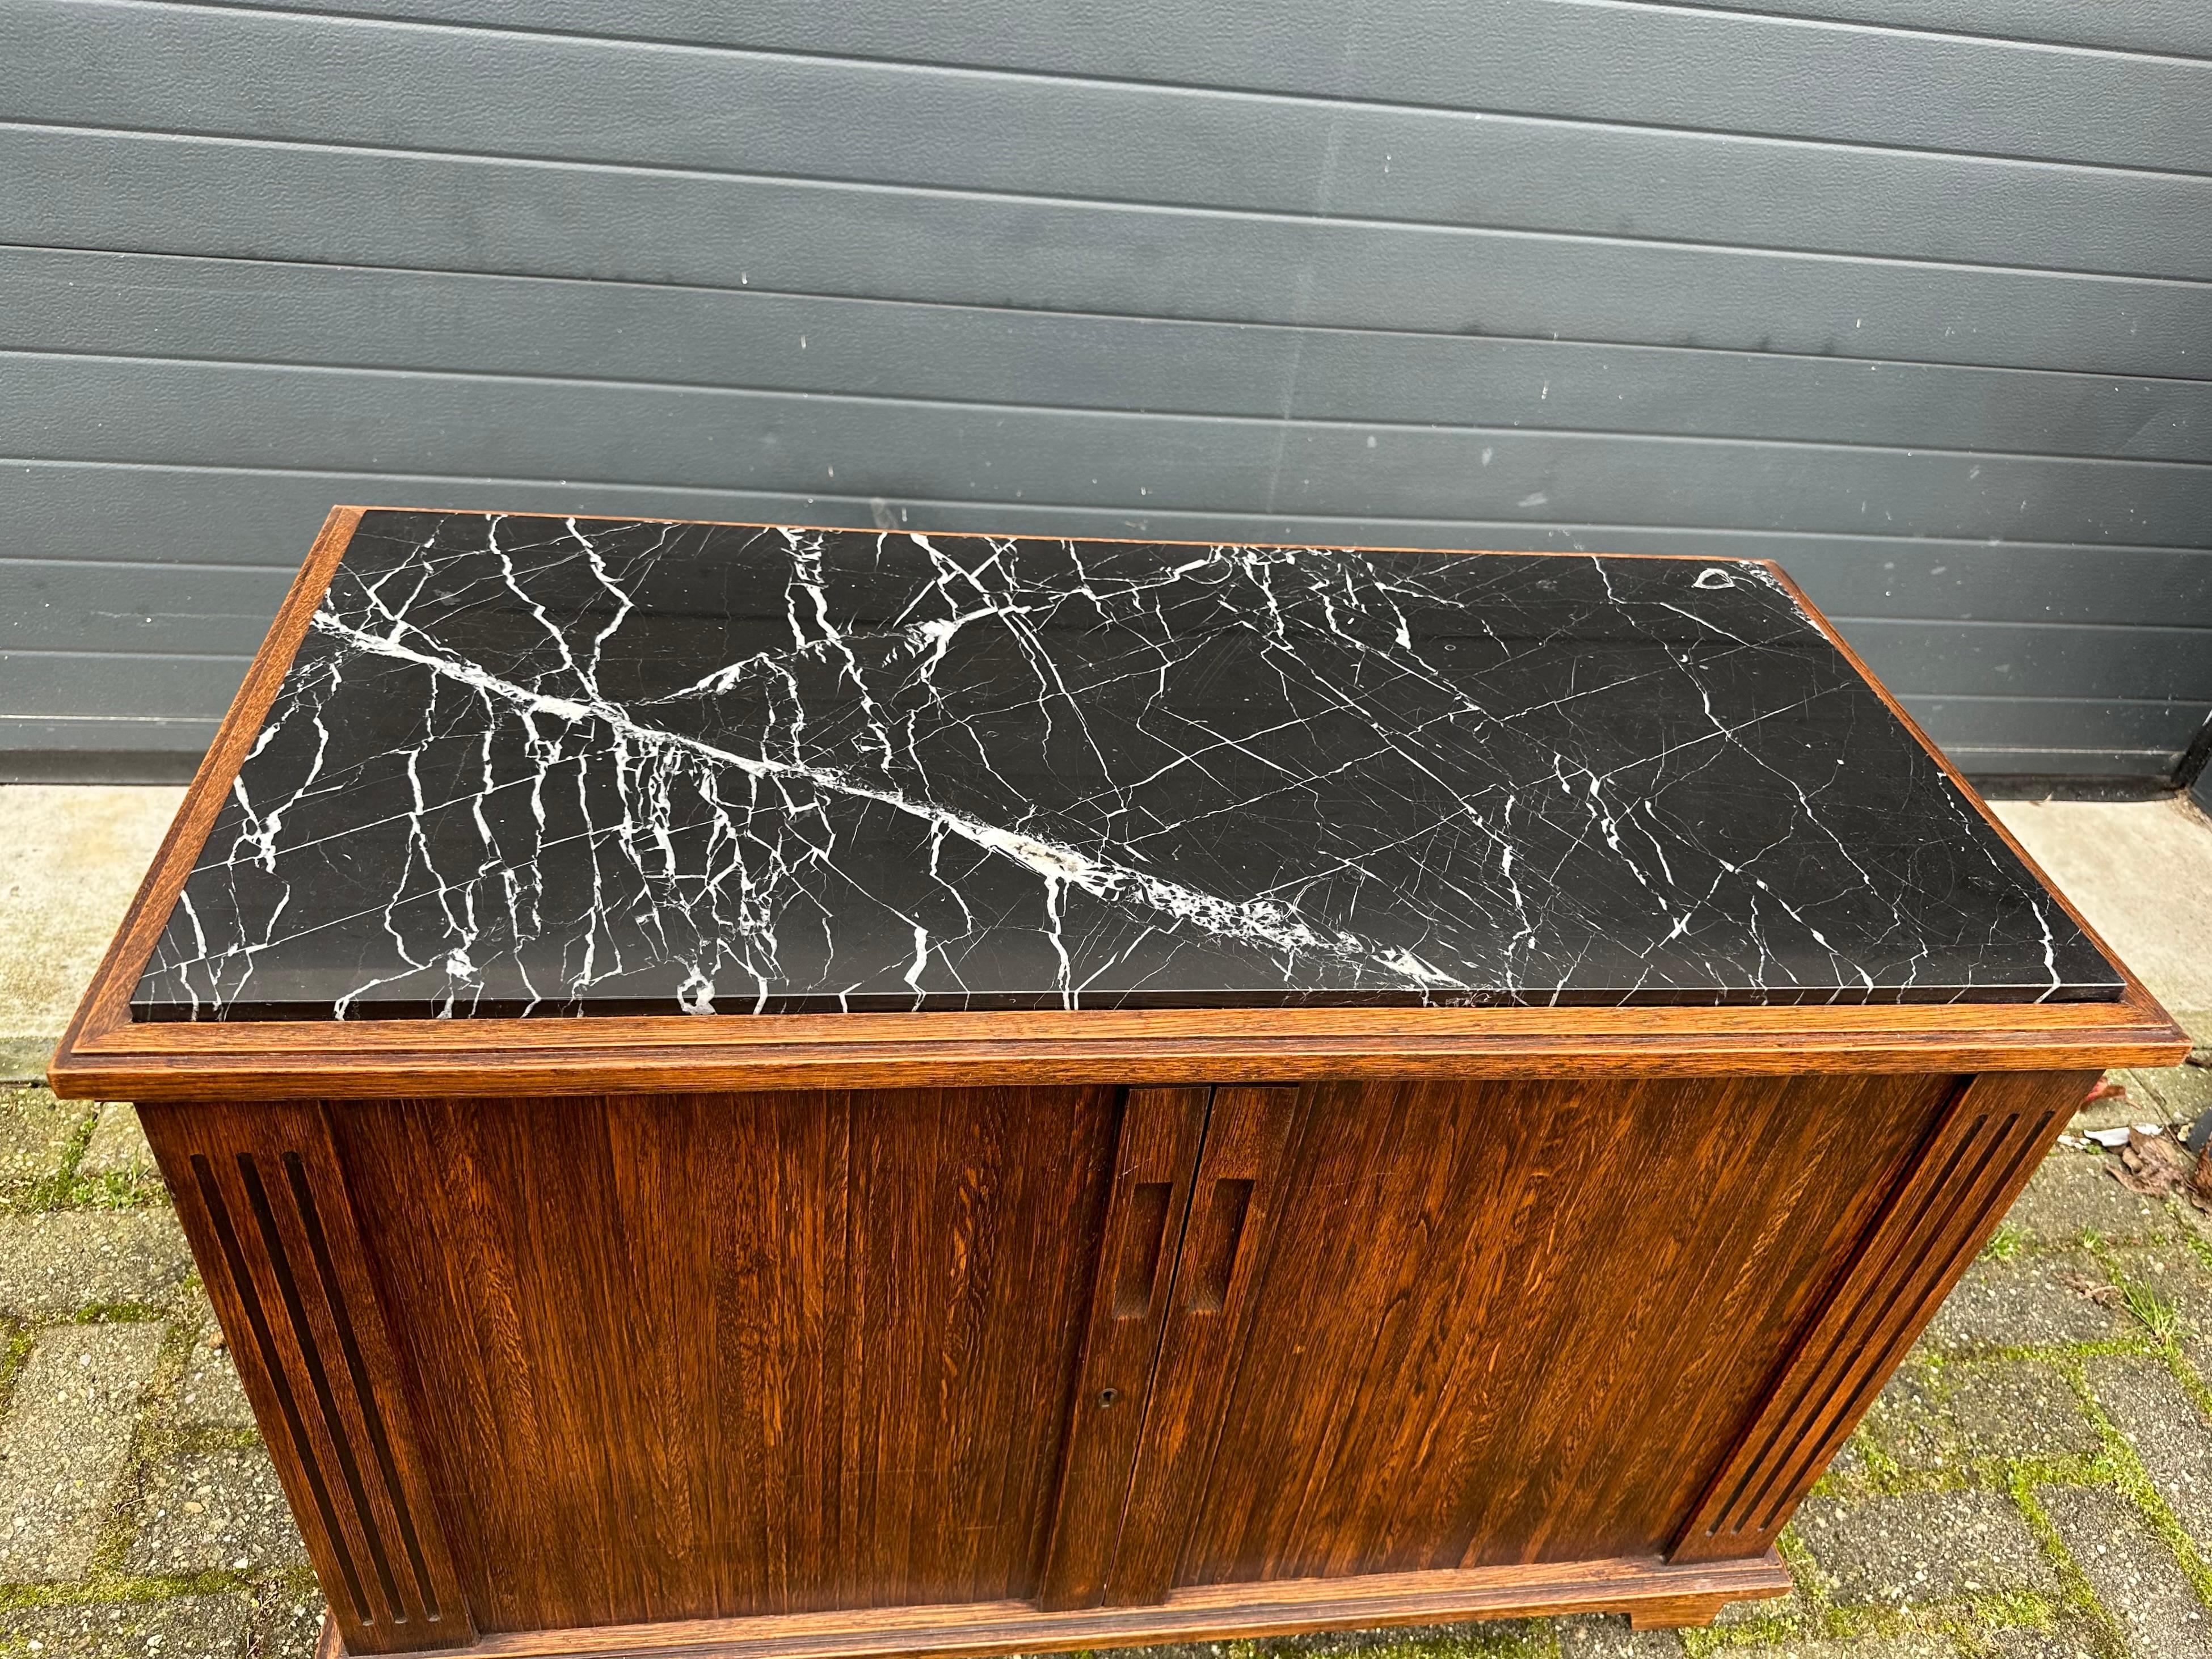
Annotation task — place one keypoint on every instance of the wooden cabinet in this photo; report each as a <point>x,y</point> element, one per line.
<point>1076,1363</point>
<point>764,1092</point>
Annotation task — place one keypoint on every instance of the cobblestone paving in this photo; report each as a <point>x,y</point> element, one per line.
<point>139,1515</point>
<point>2036,1483</point>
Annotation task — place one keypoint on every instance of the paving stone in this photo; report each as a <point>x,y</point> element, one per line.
<point>2017,1408</point>
<point>285,1624</point>
<point>2162,1423</point>
<point>2136,1578</point>
<point>1508,1638</point>
<point>117,1146</point>
<point>211,1396</point>
<point>36,1131</point>
<point>1866,1647</point>
<point>218,1510</point>
<point>1607,1636</point>
<point>180,1627</point>
<point>23,1059</point>
<point>1906,1422</point>
<point>1923,1547</point>
<point>2179,1276</point>
<point>65,1441</point>
<point>65,1260</point>
<point>2070,1638</point>
<point>74,855</point>
<point>2177,1094</point>
<point>2028,1302</point>
<point>1975,1412</point>
<point>1794,1610</point>
<point>2074,1190</point>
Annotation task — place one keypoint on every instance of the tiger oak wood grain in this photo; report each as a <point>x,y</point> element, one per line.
<point>749,1356</point>
<point>1988,1141</point>
<point>1511,1322</point>
<point>265,1204</point>
<point>753,1354</point>
<point>1161,1130</point>
<point>1653,1590</point>
<point>1236,1210</point>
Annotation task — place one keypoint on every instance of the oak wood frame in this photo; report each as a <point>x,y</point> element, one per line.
<point>2022,1067</point>
<point>1654,1594</point>
<point>273,1226</point>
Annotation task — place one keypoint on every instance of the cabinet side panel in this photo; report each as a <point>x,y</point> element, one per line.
<point>703,1356</point>
<point>1523,1322</point>
<point>263,1199</point>
<point>1974,1164</point>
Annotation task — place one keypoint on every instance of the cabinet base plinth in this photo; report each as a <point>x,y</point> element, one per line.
<point>1651,1592</point>
<point>1678,1612</point>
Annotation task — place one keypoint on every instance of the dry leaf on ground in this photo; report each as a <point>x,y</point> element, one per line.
<point>2156,1166</point>
<point>2104,1295</point>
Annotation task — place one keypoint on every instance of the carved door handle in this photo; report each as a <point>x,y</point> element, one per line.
<point>1144,1237</point>
<point>1212,1261</point>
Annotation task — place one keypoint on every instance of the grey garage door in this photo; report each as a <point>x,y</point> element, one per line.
<point>1909,295</point>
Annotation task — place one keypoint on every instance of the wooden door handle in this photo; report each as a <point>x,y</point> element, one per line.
<point>1235,1198</point>
<point>1144,1235</point>
<point>1213,1261</point>
<point>1155,1163</point>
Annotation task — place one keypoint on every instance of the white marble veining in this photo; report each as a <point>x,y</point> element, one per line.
<point>527,765</point>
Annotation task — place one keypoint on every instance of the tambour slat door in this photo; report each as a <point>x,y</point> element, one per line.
<point>1478,1324</point>
<point>754,1354</point>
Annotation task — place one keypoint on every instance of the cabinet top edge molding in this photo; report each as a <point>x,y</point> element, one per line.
<point>778,805</point>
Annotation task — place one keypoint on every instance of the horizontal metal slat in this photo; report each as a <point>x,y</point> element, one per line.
<point>294,76</point>
<point>155,193</point>
<point>64,301</point>
<point>1664,65</point>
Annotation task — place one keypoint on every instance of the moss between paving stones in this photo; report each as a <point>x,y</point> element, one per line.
<point>1906,1645</point>
<point>271,1614</point>
<point>2164,1426</point>
<point>50,1189</point>
<point>15,1352</point>
<point>40,1137</point>
<point>68,1262</point>
<point>1913,1441</point>
<point>2157,1609</point>
<point>179,1627</point>
<point>59,1176</point>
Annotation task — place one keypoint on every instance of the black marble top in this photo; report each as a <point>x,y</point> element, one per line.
<point>546,765</point>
